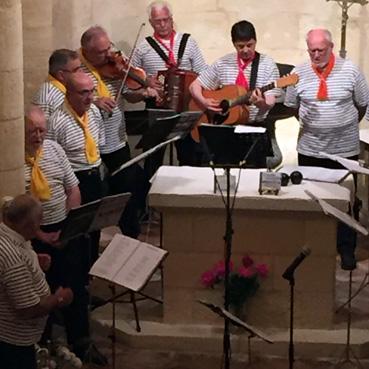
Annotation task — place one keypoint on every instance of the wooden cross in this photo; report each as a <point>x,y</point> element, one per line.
<point>345,5</point>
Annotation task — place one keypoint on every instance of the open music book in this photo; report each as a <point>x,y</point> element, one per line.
<point>128,262</point>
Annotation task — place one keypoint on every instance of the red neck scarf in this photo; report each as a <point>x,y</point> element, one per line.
<point>171,61</point>
<point>241,80</point>
<point>323,75</point>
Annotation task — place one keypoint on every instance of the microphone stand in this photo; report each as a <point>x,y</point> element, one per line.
<point>228,247</point>
<point>291,349</point>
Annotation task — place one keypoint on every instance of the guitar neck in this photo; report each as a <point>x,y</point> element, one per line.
<point>244,99</point>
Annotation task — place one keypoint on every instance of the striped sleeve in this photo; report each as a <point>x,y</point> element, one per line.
<point>70,180</point>
<point>291,99</point>
<point>197,59</point>
<point>361,90</point>
<point>19,286</point>
<point>209,77</point>
<point>48,98</point>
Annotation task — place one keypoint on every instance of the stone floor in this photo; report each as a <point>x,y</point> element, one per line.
<point>145,358</point>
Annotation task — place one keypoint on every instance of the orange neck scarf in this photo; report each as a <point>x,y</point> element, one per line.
<point>323,75</point>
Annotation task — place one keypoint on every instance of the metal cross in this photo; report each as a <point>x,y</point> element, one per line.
<point>345,5</point>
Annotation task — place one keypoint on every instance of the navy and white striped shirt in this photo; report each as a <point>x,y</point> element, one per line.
<point>67,132</point>
<point>48,98</point>
<point>224,72</point>
<point>22,285</point>
<point>60,177</point>
<point>147,58</point>
<point>330,125</point>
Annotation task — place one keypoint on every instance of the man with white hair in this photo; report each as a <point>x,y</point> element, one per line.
<point>331,98</point>
<point>168,49</point>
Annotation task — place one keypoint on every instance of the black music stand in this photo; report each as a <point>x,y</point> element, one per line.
<point>162,133</point>
<point>93,216</point>
<point>227,149</point>
<point>252,331</point>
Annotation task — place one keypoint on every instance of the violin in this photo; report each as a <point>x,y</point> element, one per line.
<point>118,67</point>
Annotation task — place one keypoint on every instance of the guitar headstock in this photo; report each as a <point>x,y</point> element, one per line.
<point>287,80</point>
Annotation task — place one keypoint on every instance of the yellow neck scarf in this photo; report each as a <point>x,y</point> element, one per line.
<point>90,145</point>
<point>39,185</point>
<point>56,83</point>
<point>102,89</point>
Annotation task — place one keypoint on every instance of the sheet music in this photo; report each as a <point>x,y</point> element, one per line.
<point>249,129</point>
<point>338,214</point>
<point>351,165</point>
<point>317,173</point>
<point>128,262</point>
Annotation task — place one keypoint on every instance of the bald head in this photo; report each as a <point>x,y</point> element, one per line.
<point>320,46</point>
<point>80,92</point>
<point>96,45</point>
<point>35,129</point>
<point>22,214</point>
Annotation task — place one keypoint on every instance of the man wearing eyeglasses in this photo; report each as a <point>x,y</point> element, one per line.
<point>78,128</point>
<point>168,49</point>
<point>330,98</point>
<point>63,63</point>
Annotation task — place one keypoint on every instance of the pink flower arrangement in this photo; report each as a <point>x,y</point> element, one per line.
<point>243,283</point>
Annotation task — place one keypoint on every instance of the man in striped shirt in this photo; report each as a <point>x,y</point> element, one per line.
<point>77,126</point>
<point>25,299</point>
<point>50,178</point>
<point>94,53</point>
<point>330,98</point>
<point>169,43</point>
<point>63,63</point>
<point>236,69</point>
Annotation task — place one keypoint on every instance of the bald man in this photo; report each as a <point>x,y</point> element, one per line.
<point>330,99</point>
<point>77,127</point>
<point>25,299</point>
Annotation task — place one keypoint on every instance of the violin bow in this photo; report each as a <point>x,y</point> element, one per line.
<point>129,63</point>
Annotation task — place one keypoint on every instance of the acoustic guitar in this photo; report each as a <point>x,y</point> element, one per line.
<point>233,101</point>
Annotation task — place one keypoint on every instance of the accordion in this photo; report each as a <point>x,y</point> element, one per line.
<point>176,84</point>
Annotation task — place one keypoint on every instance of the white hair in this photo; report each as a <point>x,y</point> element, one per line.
<point>159,5</point>
<point>327,34</point>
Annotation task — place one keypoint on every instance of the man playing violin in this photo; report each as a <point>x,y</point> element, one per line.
<point>236,69</point>
<point>168,49</point>
<point>96,53</point>
<point>63,64</point>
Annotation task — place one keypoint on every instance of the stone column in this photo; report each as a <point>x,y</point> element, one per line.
<point>11,99</point>
<point>37,43</point>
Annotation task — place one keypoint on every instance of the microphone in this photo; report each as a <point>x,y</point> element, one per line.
<point>288,273</point>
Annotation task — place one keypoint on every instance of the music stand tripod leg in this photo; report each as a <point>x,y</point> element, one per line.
<point>112,335</point>
<point>135,310</point>
<point>345,358</point>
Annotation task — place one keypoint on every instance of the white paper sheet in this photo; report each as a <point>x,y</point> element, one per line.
<point>351,165</point>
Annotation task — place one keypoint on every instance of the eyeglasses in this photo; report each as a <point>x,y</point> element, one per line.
<point>319,51</point>
<point>86,93</point>
<point>160,21</point>
<point>73,70</point>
